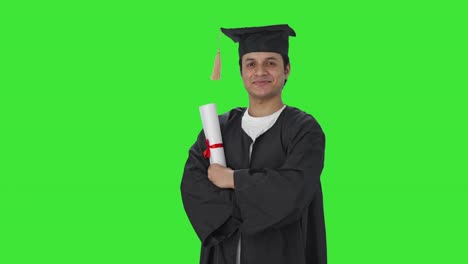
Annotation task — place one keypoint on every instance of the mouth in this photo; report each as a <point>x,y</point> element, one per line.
<point>261,82</point>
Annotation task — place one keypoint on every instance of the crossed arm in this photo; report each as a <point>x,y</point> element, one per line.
<point>221,176</point>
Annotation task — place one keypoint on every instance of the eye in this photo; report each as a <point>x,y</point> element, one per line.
<point>250,64</point>
<point>271,63</point>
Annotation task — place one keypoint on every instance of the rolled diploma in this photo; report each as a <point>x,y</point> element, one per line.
<point>210,121</point>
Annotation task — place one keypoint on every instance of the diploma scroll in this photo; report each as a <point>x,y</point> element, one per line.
<point>214,141</point>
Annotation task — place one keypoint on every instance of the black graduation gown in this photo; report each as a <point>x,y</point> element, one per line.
<point>276,205</point>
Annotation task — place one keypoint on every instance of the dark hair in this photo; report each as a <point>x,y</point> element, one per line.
<point>285,63</point>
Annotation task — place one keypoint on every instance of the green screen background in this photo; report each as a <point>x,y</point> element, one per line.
<point>99,106</point>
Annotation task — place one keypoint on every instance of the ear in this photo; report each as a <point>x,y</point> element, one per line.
<point>287,70</point>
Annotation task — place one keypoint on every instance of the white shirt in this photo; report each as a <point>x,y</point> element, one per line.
<point>254,127</point>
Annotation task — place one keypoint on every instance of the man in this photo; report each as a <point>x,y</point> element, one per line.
<point>266,206</point>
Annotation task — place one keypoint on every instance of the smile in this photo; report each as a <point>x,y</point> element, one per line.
<point>261,82</point>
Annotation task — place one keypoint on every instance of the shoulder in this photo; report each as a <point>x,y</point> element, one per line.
<point>296,119</point>
<point>298,125</point>
<point>230,116</point>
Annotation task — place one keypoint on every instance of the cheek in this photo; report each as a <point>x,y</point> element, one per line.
<point>245,79</point>
<point>245,75</point>
<point>279,75</point>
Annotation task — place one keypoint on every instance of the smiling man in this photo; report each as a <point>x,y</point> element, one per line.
<point>266,206</point>
<point>264,74</point>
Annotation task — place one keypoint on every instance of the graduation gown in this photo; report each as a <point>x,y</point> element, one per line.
<point>276,206</point>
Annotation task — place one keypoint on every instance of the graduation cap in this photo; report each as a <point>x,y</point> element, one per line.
<point>273,38</point>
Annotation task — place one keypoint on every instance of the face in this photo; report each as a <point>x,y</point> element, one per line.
<point>264,74</point>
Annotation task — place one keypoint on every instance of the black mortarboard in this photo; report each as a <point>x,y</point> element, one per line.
<point>261,39</point>
<point>273,38</point>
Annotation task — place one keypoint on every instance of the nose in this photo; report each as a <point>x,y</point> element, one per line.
<point>260,70</point>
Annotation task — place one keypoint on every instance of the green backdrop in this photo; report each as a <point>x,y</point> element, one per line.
<point>99,106</point>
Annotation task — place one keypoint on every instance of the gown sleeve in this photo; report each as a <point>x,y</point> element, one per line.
<point>210,209</point>
<point>272,198</point>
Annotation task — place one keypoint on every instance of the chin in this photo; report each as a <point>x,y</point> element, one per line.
<point>262,96</point>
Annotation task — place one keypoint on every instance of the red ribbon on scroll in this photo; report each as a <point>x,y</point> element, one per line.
<point>207,152</point>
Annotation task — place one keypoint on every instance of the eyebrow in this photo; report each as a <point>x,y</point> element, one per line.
<point>269,58</point>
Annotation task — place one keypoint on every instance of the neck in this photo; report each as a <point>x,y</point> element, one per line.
<point>259,108</point>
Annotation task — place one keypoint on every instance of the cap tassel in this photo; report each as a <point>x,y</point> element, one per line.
<point>216,75</point>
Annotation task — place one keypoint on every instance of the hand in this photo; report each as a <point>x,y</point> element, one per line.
<point>221,176</point>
